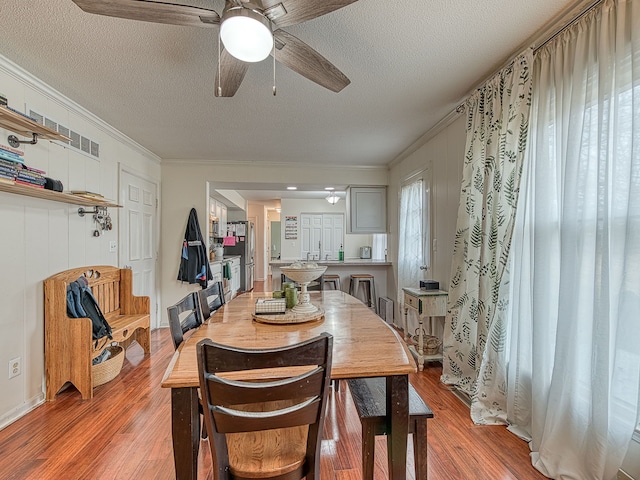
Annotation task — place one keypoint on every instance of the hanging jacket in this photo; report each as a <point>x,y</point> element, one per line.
<point>194,261</point>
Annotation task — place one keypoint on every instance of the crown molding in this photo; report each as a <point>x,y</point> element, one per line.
<point>249,163</point>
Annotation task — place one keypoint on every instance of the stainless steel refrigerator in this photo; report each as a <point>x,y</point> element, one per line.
<point>244,234</point>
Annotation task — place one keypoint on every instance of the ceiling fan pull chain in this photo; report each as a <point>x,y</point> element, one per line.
<point>219,62</point>
<point>274,62</point>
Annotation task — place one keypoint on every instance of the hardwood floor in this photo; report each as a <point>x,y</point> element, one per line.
<point>124,432</point>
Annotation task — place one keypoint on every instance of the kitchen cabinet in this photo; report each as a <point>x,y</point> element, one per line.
<point>234,281</point>
<point>367,209</point>
<point>218,217</point>
<point>216,271</point>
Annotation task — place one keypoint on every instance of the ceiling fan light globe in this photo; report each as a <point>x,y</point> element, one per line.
<point>246,35</point>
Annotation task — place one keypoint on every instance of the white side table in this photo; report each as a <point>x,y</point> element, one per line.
<point>426,303</point>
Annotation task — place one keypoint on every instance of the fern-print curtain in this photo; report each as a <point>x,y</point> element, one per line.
<point>497,129</point>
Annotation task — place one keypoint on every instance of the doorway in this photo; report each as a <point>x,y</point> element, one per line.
<point>275,248</point>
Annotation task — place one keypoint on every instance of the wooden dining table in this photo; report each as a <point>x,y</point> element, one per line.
<point>363,346</point>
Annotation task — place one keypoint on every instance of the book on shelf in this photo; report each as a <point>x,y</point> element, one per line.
<point>12,157</point>
<point>12,150</point>
<point>35,170</point>
<point>84,193</point>
<point>29,184</point>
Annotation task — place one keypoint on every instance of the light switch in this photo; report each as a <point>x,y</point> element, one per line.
<point>113,246</point>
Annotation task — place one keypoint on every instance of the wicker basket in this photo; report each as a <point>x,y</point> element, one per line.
<point>109,369</point>
<point>431,345</point>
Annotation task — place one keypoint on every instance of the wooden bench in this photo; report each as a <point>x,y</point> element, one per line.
<point>369,396</point>
<point>69,346</point>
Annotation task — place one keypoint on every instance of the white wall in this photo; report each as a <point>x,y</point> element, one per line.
<point>187,189</point>
<point>291,248</point>
<point>443,155</point>
<point>39,238</point>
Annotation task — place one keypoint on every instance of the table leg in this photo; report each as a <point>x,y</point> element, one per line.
<point>185,432</point>
<point>398,418</point>
<point>406,323</point>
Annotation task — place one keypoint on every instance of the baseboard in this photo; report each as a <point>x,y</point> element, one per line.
<point>21,411</point>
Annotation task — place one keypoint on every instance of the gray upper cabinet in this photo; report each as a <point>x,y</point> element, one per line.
<point>367,209</point>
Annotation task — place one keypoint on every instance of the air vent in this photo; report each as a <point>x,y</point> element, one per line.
<point>75,139</point>
<point>63,131</point>
<point>85,145</point>
<point>78,141</point>
<point>38,118</point>
<point>50,124</point>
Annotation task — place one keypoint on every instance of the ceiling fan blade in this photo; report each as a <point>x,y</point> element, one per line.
<point>301,58</point>
<point>298,11</point>
<point>232,72</point>
<point>150,11</point>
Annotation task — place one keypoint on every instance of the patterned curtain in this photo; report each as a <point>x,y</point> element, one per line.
<point>497,129</point>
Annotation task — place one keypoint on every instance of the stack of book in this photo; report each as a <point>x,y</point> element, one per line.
<point>14,170</point>
<point>30,176</point>
<point>10,161</point>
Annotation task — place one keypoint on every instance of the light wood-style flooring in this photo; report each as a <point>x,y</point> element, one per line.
<point>124,432</point>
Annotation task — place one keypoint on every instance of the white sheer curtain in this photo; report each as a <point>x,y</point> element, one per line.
<point>574,361</point>
<point>410,246</point>
<point>379,246</point>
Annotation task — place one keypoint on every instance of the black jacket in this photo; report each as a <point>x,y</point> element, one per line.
<point>194,261</point>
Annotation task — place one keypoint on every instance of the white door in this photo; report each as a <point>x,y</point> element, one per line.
<point>311,230</point>
<point>138,233</point>
<point>332,235</point>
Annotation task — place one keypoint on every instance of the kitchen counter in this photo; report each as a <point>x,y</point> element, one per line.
<point>336,263</point>
<point>380,269</point>
<point>226,258</point>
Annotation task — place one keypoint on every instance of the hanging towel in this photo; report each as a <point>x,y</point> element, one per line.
<point>226,271</point>
<point>194,261</point>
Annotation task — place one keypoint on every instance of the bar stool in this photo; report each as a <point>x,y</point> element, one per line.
<point>367,281</point>
<point>334,280</point>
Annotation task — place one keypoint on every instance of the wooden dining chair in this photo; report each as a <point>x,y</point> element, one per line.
<point>184,316</point>
<point>269,429</point>
<point>211,299</point>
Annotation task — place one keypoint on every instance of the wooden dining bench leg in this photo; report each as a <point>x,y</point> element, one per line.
<point>369,397</point>
<point>368,449</point>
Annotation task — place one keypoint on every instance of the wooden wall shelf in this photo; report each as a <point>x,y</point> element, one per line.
<point>56,196</point>
<point>26,127</point>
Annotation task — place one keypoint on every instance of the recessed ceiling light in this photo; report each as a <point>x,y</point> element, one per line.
<point>329,188</point>
<point>292,188</point>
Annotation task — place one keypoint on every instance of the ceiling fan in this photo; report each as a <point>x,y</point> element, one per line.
<point>249,31</point>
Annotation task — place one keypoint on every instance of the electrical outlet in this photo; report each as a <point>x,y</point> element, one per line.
<point>15,367</point>
<point>113,246</point>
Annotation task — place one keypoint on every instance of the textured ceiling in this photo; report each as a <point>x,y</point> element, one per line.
<point>409,62</point>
